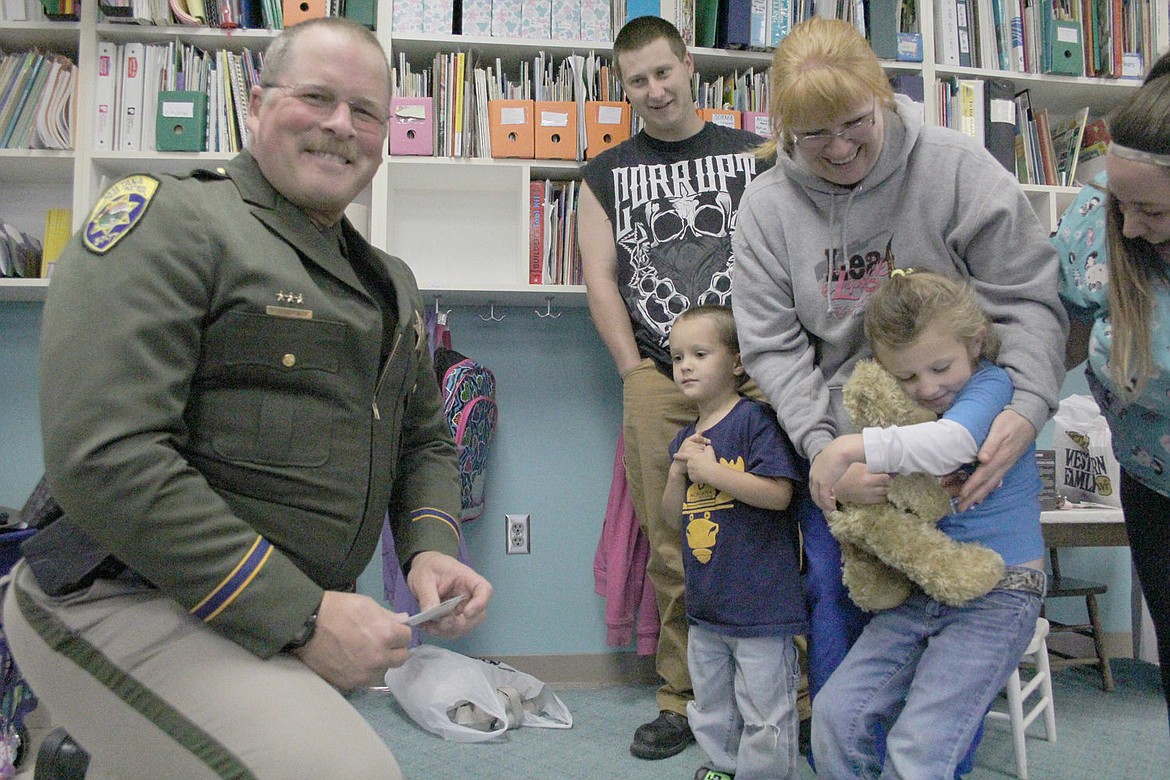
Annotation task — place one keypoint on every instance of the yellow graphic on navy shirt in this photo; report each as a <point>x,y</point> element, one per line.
<point>701,502</point>
<point>117,212</point>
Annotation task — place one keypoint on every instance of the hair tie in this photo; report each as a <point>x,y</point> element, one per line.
<point>1138,155</point>
<point>901,272</point>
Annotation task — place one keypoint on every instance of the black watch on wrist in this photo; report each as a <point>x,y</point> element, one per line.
<point>303,636</point>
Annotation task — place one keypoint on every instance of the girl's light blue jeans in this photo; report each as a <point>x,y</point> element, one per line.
<point>924,673</point>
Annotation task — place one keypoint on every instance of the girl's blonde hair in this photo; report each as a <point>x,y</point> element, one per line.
<point>821,69</point>
<point>910,302</point>
<point>1136,272</point>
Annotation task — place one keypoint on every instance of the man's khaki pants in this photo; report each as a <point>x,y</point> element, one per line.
<point>149,692</point>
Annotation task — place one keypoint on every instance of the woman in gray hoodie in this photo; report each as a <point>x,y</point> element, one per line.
<point>860,187</point>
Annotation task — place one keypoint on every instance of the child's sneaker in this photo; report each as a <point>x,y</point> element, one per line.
<point>707,773</point>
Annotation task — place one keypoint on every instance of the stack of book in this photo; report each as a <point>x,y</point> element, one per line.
<point>553,257</point>
<point>1049,148</point>
<point>469,108</point>
<point>982,108</point>
<point>36,101</point>
<point>1108,38</point>
<point>20,253</point>
<point>132,76</point>
<point>560,20</point>
<point>58,230</point>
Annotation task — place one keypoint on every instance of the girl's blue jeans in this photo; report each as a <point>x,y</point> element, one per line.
<point>923,673</point>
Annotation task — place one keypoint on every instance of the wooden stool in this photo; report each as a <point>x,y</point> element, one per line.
<point>1040,683</point>
<point>1060,587</point>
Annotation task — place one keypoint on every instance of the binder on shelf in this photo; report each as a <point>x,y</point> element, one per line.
<point>105,95</point>
<point>758,122</point>
<point>412,126</point>
<point>296,11</point>
<point>733,29</point>
<point>964,30</point>
<point>607,124</point>
<point>946,32</point>
<point>181,124</point>
<point>727,117</point>
<point>1066,51</point>
<point>511,128</point>
<point>883,29</point>
<point>555,131</point>
<point>1001,122</point>
<point>364,12</point>
<point>129,132</point>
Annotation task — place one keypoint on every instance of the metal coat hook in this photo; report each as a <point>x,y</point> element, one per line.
<point>440,316</point>
<point>491,313</point>
<point>548,312</point>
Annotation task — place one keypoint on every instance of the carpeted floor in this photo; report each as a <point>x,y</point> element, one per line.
<point>1122,735</point>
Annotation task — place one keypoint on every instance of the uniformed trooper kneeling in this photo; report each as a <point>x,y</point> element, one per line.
<point>235,391</point>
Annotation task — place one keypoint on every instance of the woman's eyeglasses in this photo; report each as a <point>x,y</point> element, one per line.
<point>854,131</point>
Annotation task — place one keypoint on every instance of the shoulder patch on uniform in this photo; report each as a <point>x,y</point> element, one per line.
<point>119,209</point>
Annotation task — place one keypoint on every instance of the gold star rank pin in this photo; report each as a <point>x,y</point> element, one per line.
<point>117,212</point>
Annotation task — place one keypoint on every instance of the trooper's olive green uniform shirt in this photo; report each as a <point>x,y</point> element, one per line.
<point>224,409</point>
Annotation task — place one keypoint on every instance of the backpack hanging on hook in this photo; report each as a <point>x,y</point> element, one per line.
<point>469,404</point>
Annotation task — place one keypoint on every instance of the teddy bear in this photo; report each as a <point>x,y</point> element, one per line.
<point>889,547</point>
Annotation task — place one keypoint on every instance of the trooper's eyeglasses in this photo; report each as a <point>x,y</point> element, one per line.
<point>363,113</point>
<point>854,131</point>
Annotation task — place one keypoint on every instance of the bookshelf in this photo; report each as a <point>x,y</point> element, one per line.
<point>460,223</point>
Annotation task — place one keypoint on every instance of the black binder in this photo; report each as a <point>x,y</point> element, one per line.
<point>1000,113</point>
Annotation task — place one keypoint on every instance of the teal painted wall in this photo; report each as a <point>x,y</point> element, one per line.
<point>21,462</point>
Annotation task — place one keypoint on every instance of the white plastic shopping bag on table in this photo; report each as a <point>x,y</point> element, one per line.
<point>467,699</point>
<point>1086,468</point>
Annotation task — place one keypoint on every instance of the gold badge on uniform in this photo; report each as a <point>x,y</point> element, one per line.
<point>117,212</point>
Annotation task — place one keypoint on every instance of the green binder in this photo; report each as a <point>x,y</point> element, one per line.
<point>182,121</point>
<point>362,11</point>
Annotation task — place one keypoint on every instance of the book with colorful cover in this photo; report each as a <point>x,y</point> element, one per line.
<point>536,232</point>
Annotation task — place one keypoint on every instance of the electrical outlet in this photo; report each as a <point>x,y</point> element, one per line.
<point>516,527</point>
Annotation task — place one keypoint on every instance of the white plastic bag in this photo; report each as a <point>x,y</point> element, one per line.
<point>451,694</point>
<point>1086,468</point>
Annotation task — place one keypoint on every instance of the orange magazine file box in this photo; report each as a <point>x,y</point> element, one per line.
<point>296,11</point>
<point>607,124</point>
<point>555,130</point>
<point>511,127</point>
<point>728,117</point>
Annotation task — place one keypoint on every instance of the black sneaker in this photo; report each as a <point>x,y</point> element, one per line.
<point>60,758</point>
<point>665,736</point>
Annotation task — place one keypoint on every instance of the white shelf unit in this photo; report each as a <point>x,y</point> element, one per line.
<point>460,224</point>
